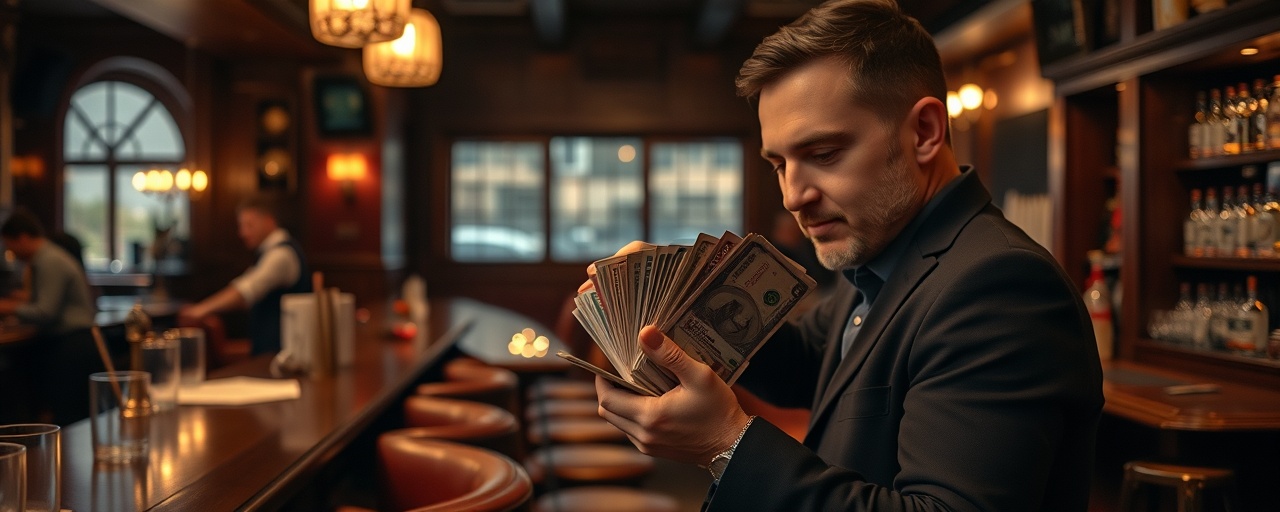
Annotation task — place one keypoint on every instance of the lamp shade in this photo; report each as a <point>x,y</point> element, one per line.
<point>355,23</point>
<point>413,60</point>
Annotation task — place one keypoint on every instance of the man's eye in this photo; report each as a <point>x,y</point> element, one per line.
<point>825,157</point>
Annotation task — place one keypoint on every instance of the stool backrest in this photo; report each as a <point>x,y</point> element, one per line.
<point>427,475</point>
<point>462,421</point>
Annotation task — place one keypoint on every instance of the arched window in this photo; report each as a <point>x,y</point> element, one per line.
<point>114,128</point>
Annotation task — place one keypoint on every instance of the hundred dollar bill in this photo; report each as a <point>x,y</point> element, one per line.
<point>742,304</point>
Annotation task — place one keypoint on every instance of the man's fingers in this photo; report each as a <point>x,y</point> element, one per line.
<point>661,350</point>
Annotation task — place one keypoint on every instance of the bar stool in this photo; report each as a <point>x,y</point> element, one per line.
<point>560,389</point>
<point>548,409</point>
<point>578,464</point>
<point>613,499</point>
<point>427,475</point>
<point>462,421</point>
<point>574,430</point>
<point>467,379</point>
<point>1188,481</point>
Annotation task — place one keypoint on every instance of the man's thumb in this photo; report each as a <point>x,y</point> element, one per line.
<point>666,353</point>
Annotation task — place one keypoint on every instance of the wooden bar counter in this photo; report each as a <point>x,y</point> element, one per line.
<point>259,457</point>
<point>1138,393</point>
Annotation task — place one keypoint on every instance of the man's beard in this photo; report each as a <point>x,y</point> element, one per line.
<point>895,194</point>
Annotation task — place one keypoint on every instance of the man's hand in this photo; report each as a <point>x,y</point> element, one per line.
<point>634,246</point>
<point>690,423</point>
<point>191,314</point>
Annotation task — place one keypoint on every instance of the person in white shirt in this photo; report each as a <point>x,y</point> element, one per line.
<point>280,268</point>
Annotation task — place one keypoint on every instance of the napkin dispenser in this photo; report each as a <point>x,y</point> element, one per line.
<point>299,338</point>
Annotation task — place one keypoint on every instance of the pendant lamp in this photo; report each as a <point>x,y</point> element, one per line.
<point>413,60</point>
<point>356,23</point>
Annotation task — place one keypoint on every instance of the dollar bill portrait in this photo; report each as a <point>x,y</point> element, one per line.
<point>733,315</point>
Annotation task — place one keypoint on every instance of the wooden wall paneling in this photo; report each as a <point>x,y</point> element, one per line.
<point>1079,170</point>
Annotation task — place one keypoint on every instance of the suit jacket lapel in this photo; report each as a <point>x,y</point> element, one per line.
<point>934,237</point>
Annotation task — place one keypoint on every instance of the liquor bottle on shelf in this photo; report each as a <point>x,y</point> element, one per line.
<point>1258,119</point>
<point>1192,244</point>
<point>1215,134</point>
<point>1209,230</point>
<point>1196,132</point>
<point>1273,115</point>
<point>1202,312</point>
<point>1242,213</point>
<point>1247,331</point>
<point>1262,225</point>
<point>1223,309</point>
<point>1272,205</point>
<point>1228,225</point>
<point>1097,300</point>
<point>1232,122</point>
<point>1246,107</point>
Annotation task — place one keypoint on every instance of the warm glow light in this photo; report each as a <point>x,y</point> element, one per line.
<point>347,167</point>
<point>954,108</point>
<point>199,181</point>
<point>626,153</point>
<point>140,181</point>
<point>153,180</point>
<point>970,96</point>
<point>413,60</point>
<point>182,179</point>
<point>356,23</point>
<point>989,99</point>
<point>1248,51</point>
<point>166,181</point>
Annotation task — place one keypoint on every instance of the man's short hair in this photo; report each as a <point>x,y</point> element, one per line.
<point>892,59</point>
<point>265,204</point>
<point>22,222</point>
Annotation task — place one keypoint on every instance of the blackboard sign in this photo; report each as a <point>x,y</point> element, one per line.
<point>342,107</point>
<point>1060,28</point>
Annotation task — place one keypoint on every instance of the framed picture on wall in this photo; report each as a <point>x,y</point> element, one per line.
<point>342,107</point>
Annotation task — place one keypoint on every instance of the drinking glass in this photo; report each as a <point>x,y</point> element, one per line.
<point>191,354</point>
<point>119,414</point>
<point>13,475</point>
<point>160,359</point>
<point>44,462</point>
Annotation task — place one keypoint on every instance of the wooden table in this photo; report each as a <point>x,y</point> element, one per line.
<point>258,457</point>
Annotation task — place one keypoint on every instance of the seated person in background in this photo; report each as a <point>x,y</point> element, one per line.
<point>61,307</point>
<point>279,269</point>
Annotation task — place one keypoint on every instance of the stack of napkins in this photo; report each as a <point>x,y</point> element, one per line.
<point>239,391</point>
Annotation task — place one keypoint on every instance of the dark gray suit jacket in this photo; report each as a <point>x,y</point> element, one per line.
<point>974,385</point>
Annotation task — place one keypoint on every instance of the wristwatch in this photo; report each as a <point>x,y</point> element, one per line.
<point>721,461</point>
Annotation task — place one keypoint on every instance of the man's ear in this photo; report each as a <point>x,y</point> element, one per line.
<point>928,125</point>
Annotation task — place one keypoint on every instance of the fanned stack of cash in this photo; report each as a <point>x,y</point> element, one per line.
<point>718,299</point>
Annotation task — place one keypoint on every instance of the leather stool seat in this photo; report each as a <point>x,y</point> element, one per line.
<point>597,498</point>
<point>575,430</point>
<point>561,389</point>
<point>572,464</point>
<point>466,422</point>
<point>549,409</point>
<point>427,475</point>
<point>1189,482</point>
<point>467,379</point>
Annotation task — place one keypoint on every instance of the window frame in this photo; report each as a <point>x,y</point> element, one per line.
<point>167,92</point>
<point>643,152</point>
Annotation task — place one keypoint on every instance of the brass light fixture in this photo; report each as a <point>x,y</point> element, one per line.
<point>355,23</point>
<point>413,60</point>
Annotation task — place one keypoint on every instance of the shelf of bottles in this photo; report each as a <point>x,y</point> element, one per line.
<point>1224,317</point>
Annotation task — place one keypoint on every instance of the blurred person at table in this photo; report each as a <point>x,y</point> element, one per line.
<point>280,268</point>
<point>59,304</point>
<point>953,369</point>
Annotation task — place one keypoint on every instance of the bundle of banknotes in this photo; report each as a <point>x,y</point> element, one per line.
<point>719,300</point>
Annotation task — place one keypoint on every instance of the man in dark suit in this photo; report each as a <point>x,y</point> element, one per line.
<point>955,369</point>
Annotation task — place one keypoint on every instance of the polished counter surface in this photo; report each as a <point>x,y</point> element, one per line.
<point>1141,393</point>
<point>257,457</point>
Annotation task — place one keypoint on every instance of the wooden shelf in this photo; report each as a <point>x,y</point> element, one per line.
<point>1219,356</point>
<point>1229,161</point>
<point>1249,264</point>
<point>1157,50</point>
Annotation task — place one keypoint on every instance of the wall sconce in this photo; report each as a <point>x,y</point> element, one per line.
<point>969,101</point>
<point>27,167</point>
<point>347,169</point>
<point>355,23</point>
<point>413,60</point>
